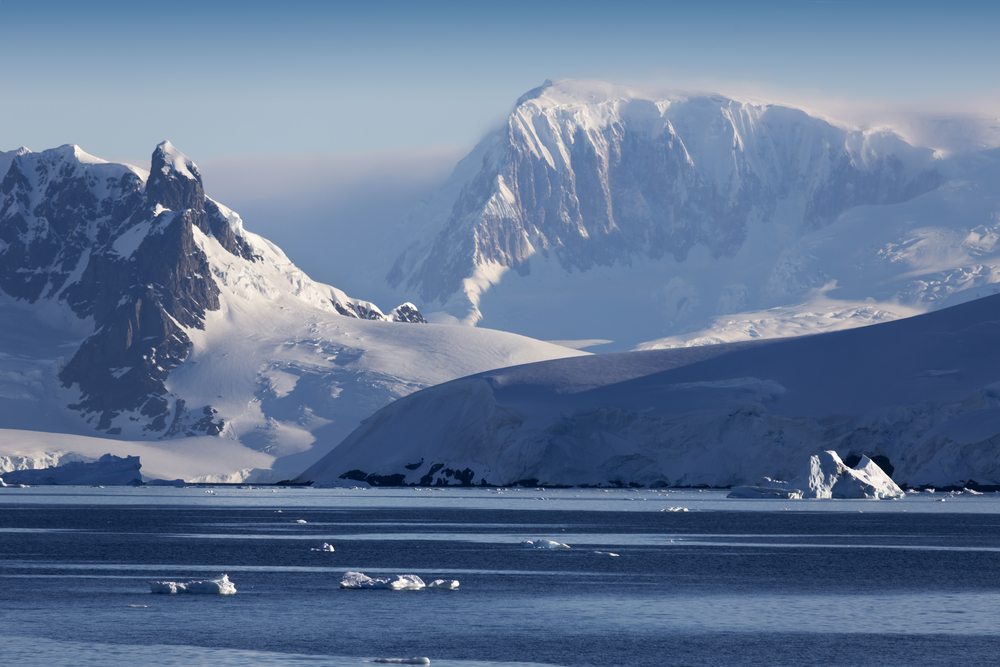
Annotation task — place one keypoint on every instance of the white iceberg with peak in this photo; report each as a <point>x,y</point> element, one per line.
<point>218,586</point>
<point>827,476</point>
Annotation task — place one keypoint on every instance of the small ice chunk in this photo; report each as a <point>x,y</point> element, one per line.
<point>404,661</point>
<point>604,553</point>
<point>543,544</point>
<point>325,547</point>
<point>299,521</point>
<point>674,509</point>
<point>449,584</point>
<point>218,586</point>
<point>398,582</point>
<point>764,492</point>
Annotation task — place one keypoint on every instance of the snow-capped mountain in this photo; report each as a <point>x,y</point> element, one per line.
<point>603,212</point>
<point>920,396</point>
<point>138,308</point>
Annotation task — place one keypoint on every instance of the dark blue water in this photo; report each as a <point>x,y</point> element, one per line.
<point>757,584</point>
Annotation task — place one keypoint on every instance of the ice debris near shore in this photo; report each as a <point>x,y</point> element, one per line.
<point>827,476</point>
<point>398,582</point>
<point>218,586</point>
<point>764,492</point>
<point>543,544</point>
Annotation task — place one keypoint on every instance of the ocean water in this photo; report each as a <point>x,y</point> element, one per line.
<point>698,580</point>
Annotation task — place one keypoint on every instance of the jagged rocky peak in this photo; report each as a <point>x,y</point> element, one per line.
<point>590,174</point>
<point>140,259</point>
<point>174,180</point>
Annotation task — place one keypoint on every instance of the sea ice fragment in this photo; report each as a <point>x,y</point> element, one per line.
<point>218,586</point>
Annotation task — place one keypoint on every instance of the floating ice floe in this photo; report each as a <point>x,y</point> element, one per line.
<point>604,553</point>
<point>764,492</point>
<point>299,521</point>
<point>398,582</point>
<point>543,544</point>
<point>674,509</point>
<point>325,547</point>
<point>218,586</point>
<point>403,661</point>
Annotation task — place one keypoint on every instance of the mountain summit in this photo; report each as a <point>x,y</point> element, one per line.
<point>672,207</point>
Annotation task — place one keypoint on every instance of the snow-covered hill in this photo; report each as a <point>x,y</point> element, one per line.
<point>137,308</point>
<point>923,392</point>
<point>604,212</point>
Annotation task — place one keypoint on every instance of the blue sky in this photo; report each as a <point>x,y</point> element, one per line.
<point>223,78</point>
<point>322,123</point>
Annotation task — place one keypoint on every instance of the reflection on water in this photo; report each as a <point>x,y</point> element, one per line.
<point>913,581</point>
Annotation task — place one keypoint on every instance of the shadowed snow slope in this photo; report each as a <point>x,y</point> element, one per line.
<point>138,309</point>
<point>923,392</point>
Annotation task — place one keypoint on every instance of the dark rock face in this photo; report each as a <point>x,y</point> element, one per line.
<point>408,313</point>
<point>122,252</point>
<point>654,183</point>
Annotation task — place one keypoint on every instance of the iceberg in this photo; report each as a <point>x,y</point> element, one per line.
<point>398,582</point>
<point>543,544</point>
<point>218,586</point>
<point>325,547</point>
<point>403,661</point>
<point>447,584</point>
<point>827,476</point>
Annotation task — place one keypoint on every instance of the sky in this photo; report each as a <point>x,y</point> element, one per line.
<point>403,89</point>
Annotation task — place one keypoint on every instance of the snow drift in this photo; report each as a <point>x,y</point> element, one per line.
<point>924,393</point>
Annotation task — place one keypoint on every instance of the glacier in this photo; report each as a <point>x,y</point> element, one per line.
<point>921,395</point>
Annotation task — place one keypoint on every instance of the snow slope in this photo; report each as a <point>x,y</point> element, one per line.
<point>607,212</point>
<point>922,392</point>
<point>138,309</point>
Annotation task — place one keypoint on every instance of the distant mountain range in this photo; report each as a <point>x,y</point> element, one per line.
<point>137,308</point>
<point>603,212</point>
